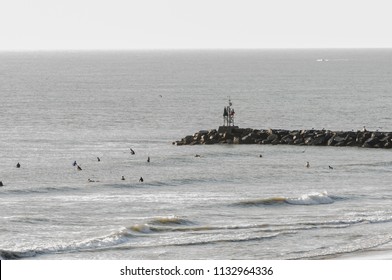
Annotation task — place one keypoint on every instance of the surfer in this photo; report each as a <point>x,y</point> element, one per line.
<point>79,168</point>
<point>148,159</point>
<point>330,167</point>
<point>74,164</point>
<point>132,151</point>
<point>307,164</point>
<point>18,165</point>
<point>122,178</point>
<point>260,155</point>
<point>98,159</point>
<point>91,181</point>
<point>141,180</point>
<point>197,155</point>
<point>1,183</point>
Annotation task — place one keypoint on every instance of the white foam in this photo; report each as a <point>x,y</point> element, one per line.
<point>311,199</point>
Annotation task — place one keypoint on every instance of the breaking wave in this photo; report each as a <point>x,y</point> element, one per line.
<point>109,241</point>
<point>159,224</point>
<point>307,199</point>
<point>10,255</point>
<point>177,231</point>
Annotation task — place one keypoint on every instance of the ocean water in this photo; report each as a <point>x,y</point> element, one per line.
<point>61,107</point>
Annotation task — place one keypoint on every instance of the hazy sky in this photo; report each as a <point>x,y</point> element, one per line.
<point>154,24</point>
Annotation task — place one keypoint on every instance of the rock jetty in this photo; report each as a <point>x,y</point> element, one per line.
<point>312,137</point>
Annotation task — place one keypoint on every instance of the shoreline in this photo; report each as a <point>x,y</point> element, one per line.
<point>371,254</point>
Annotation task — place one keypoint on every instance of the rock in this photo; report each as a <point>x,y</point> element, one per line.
<point>388,145</point>
<point>294,133</point>
<point>270,131</point>
<point>371,142</point>
<point>272,137</point>
<point>262,135</point>
<point>228,136</point>
<point>210,142</point>
<point>298,141</point>
<point>287,139</point>
<point>339,138</point>
<point>247,139</point>
<point>214,137</point>
<point>331,141</point>
<point>188,139</point>
<point>308,140</point>
<point>319,141</point>
<point>351,143</point>
<point>235,135</point>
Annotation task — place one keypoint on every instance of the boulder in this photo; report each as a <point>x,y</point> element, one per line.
<point>294,133</point>
<point>331,141</point>
<point>270,131</point>
<point>319,141</point>
<point>262,135</point>
<point>338,138</point>
<point>188,139</point>
<point>298,141</point>
<point>272,137</point>
<point>287,139</point>
<point>388,145</point>
<point>248,139</point>
<point>228,136</point>
<point>237,140</point>
<point>371,142</point>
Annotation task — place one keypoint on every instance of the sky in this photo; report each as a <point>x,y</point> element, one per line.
<point>193,24</point>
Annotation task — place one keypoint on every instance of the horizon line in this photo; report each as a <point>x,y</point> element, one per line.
<point>187,49</point>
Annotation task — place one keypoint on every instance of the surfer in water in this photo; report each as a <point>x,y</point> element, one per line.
<point>1,183</point>
<point>122,178</point>
<point>307,164</point>
<point>148,159</point>
<point>74,164</point>
<point>18,165</point>
<point>141,180</point>
<point>132,152</point>
<point>79,168</point>
<point>98,159</point>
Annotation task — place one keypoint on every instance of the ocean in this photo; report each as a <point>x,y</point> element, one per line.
<point>60,107</point>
